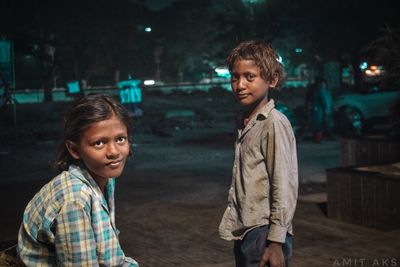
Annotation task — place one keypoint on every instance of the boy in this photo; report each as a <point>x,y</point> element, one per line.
<point>262,198</point>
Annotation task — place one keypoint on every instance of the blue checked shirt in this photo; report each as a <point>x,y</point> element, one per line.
<point>70,223</point>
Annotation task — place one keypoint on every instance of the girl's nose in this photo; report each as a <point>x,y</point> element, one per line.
<point>112,150</point>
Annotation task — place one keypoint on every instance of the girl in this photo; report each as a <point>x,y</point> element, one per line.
<point>71,220</point>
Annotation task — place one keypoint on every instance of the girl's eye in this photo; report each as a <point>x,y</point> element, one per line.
<point>121,139</point>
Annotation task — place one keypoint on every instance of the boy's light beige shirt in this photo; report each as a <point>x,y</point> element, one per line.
<point>264,178</point>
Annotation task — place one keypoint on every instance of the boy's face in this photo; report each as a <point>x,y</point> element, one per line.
<point>248,87</point>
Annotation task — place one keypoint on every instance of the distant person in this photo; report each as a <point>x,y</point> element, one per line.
<point>71,220</point>
<point>320,109</point>
<point>263,195</point>
<point>5,96</point>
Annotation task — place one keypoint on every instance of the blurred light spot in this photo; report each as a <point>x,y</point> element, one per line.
<point>149,82</point>
<point>222,72</point>
<point>280,59</point>
<point>374,71</point>
<point>363,65</point>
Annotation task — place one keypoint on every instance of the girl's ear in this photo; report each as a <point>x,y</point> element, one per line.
<point>72,149</point>
<point>274,80</point>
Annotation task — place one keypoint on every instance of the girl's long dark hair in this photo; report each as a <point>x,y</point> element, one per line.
<point>83,112</point>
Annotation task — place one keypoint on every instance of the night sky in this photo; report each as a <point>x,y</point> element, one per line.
<point>98,38</point>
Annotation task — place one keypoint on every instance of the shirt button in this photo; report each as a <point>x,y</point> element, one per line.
<point>234,166</point>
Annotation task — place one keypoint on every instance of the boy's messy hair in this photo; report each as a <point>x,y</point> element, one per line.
<point>83,112</point>
<point>264,56</point>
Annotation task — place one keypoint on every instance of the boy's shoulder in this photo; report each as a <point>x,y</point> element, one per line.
<point>275,117</point>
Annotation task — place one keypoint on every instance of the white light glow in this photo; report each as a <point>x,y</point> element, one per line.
<point>149,82</point>
<point>223,72</point>
<point>363,65</point>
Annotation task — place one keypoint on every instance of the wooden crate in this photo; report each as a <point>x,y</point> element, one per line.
<point>368,198</point>
<point>368,150</point>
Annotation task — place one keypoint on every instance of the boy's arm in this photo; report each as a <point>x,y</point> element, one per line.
<point>281,160</point>
<point>273,254</point>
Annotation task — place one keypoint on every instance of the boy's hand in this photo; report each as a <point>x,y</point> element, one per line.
<point>273,254</point>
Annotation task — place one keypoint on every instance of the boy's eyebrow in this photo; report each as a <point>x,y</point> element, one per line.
<point>244,73</point>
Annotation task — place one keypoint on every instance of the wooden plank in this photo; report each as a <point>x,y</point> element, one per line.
<point>373,152</point>
<point>365,198</point>
<point>393,204</point>
<point>356,198</point>
<point>332,191</point>
<point>344,196</point>
<point>368,151</point>
<point>381,200</point>
<point>369,201</point>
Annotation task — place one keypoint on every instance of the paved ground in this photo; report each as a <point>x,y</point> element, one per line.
<point>173,192</point>
<point>171,197</point>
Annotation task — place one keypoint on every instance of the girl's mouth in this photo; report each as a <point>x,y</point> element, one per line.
<point>115,163</point>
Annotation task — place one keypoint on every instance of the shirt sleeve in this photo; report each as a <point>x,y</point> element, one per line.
<point>281,160</point>
<point>74,239</point>
<point>129,262</point>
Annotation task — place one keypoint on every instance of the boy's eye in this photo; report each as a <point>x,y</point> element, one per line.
<point>251,77</point>
<point>98,144</point>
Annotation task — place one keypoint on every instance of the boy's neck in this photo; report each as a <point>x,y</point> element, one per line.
<point>251,111</point>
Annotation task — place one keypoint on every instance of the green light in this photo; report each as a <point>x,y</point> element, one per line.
<point>298,50</point>
<point>280,59</point>
<point>147,29</point>
<point>223,72</point>
<point>364,65</point>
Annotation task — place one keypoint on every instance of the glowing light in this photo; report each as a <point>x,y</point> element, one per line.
<point>149,82</point>
<point>280,59</point>
<point>374,71</point>
<point>363,65</point>
<point>298,50</point>
<point>147,29</point>
<point>222,72</point>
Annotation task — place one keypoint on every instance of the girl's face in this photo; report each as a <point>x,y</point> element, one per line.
<point>103,148</point>
<point>248,86</point>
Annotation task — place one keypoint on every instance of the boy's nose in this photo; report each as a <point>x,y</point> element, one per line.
<point>241,84</point>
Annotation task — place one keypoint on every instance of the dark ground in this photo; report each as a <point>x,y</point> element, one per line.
<point>173,192</point>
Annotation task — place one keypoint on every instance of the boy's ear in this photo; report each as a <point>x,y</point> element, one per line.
<point>72,149</point>
<point>274,80</point>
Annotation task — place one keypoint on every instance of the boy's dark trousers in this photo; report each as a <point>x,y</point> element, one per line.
<point>249,250</point>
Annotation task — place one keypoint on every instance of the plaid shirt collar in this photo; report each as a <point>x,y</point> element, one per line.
<point>80,172</point>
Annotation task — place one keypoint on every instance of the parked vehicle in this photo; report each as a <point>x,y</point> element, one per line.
<point>356,113</point>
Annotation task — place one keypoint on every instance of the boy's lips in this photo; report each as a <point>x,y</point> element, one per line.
<point>241,96</point>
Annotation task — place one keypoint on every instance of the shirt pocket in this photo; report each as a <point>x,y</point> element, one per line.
<point>249,147</point>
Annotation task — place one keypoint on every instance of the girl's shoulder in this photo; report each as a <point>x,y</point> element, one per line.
<point>67,187</point>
